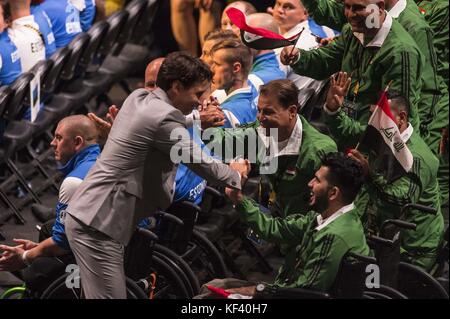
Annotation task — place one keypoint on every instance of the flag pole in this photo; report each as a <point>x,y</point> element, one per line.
<point>385,90</point>
<point>296,40</point>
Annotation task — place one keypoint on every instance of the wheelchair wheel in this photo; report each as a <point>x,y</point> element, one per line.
<point>386,291</point>
<point>204,258</point>
<point>14,293</point>
<point>169,284</point>
<point>415,282</point>
<point>186,272</point>
<point>59,290</point>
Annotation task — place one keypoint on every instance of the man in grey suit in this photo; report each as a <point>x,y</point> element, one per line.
<point>104,211</point>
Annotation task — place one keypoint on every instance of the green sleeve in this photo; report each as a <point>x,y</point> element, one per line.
<point>329,13</point>
<point>345,130</point>
<point>322,266</point>
<point>402,191</point>
<point>404,69</point>
<point>321,63</point>
<point>287,230</point>
<point>227,143</point>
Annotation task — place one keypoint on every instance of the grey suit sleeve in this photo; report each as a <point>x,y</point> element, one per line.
<point>173,139</point>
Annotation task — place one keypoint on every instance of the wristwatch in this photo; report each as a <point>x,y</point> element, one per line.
<point>260,288</point>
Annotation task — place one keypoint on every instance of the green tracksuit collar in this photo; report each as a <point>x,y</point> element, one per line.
<point>322,223</point>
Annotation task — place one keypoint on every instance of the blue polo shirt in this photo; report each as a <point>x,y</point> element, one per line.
<point>239,108</point>
<point>10,67</point>
<point>65,20</point>
<point>87,15</point>
<point>45,27</point>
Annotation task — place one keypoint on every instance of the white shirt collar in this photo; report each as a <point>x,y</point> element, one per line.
<point>322,223</point>
<point>24,20</point>
<point>381,35</point>
<point>293,145</point>
<point>405,136</point>
<point>295,30</point>
<point>397,9</point>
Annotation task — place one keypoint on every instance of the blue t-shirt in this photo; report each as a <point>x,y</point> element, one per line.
<point>45,26</point>
<point>240,104</point>
<point>65,20</point>
<point>87,15</point>
<point>267,68</point>
<point>10,67</point>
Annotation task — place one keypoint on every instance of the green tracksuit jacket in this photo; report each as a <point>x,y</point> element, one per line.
<point>420,186</point>
<point>436,13</point>
<point>290,181</point>
<point>329,13</point>
<point>312,256</point>
<point>371,68</point>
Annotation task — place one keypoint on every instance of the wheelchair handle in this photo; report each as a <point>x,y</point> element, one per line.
<point>399,223</point>
<point>381,241</point>
<point>423,208</point>
<point>170,218</point>
<point>148,234</point>
<point>213,191</point>
<point>363,258</point>
<point>192,205</point>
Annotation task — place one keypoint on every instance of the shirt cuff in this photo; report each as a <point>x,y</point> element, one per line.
<point>191,117</point>
<point>328,111</point>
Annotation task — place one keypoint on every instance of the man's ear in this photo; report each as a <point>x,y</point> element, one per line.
<point>293,110</point>
<point>176,86</point>
<point>403,116</point>
<point>237,67</point>
<point>79,141</point>
<point>333,193</point>
<point>381,5</point>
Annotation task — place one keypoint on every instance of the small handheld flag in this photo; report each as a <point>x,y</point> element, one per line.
<point>259,38</point>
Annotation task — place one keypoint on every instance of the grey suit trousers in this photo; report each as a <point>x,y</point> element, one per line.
<point>100,279</point>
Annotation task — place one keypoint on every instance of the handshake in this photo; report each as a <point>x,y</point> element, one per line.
<point>243,168</point>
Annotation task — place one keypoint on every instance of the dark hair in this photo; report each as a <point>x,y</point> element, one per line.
<point>220,35</point>
<point>344,173</point>
<point>398,101</point>
<point>182,67</point>
<point>285,91</point>
<point>236,52</point>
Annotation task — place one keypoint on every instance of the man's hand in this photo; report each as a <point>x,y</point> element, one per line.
<point>338,90</point>
<point>203,4</point>
<point>289,55</point>
<point>234,195</point>
<point>26,244</point>
<point>325,41</point>
<point>243,167</point>
<point>211,115</point>
<point>362,160</point>
<point>11,258</point>
<point>246,291</point>
<point>104,126</point>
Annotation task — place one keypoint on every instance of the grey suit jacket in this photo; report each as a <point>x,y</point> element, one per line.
<point>134,175</point>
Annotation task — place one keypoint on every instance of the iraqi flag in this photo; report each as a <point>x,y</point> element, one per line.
<point>383,137</point>
<point>259,38</point>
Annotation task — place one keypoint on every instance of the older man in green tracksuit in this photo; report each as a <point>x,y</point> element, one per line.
<point>318,240</point>
<point>385,193</point>
<point>374,56</point>
<point>433,104</point>
<point>294,154</point>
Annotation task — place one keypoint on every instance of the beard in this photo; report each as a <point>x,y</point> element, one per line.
<point>320,203</point>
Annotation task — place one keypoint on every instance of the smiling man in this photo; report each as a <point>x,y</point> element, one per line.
<point>317,239</point>
<point>297,148</point>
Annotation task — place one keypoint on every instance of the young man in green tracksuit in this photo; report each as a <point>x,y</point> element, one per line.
<point>385,193</point>
<point>318,240</point>
<point>373,56</point>
<point>296,151</point>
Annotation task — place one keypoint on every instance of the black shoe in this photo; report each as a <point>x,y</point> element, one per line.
<point>43,213</point>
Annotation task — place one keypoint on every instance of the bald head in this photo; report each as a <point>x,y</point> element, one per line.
<point>72,134</point>
<point>151,73</point>
<point>244,6</point>
<point>263,20</point>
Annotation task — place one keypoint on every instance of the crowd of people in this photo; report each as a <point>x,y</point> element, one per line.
<point>328,194</point>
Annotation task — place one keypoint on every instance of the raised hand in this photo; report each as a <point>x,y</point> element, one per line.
<point>289,55</point>
<point>338,90</point>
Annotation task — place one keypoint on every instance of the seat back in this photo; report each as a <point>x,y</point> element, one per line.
<point>21,90</point>
<point>77,47</point>
<point>116,23</point>
<point>145,21</point>
<point>97,35</point>
<point>42,70</point>
<point>59,59</point>
<point>5,96</point>
<point>135,10</point>
<point>350,280</point>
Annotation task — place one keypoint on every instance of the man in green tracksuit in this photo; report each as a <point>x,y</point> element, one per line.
<point>329,13</point>
<point>374,56</point>
<point>386,193</point>
<point>317,240</point>
<point>433,104</point>
<point>436,13</point>
<point>296,151</point>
